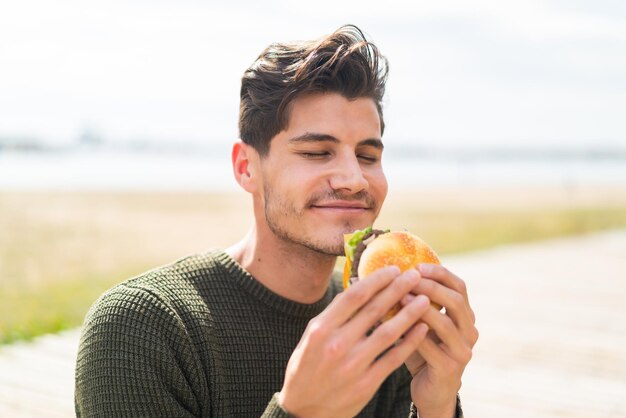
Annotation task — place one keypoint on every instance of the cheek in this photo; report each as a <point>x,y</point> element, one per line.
<point>287,184</point>
<point>300,178</point>
<point>378,185</point>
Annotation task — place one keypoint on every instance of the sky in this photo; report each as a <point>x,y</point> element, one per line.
<point>462,74</point>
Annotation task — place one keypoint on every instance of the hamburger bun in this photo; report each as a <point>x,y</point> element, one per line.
<point>397,248</point>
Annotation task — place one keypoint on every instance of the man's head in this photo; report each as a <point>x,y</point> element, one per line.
<point>343,62</point>
<point>311,150</point>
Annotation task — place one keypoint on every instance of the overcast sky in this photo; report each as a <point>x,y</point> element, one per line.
<point>502,72</point>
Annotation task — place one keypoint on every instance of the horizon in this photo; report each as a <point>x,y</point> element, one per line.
<point>402,148</point>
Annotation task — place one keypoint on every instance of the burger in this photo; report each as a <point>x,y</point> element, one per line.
<point>368,250</point>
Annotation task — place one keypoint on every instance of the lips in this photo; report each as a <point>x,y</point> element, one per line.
<point>342,205</point>
<point>335,200</point>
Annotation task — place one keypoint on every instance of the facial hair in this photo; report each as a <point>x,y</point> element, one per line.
<point>280,213</point>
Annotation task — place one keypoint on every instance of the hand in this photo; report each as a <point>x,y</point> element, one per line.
<point>336,367</point>
<point>439,362</point>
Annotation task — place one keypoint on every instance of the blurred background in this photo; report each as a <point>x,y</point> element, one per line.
<point>504,125</point>
<point>511,92</point>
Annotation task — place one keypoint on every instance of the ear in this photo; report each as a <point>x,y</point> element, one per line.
<point>245,162</point>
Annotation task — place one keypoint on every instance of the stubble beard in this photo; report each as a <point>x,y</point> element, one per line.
<point>277,209</point>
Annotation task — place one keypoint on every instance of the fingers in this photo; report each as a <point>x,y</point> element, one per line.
<point>448,290</point>
<point>346,304</point>
<point>398,329</point>
<point>453,344</point>
<point>442,275</point>
<point>379,305</point>
<point>447,348</point>
<point>398,354</point>
<point>335,353</point>
<point>392,330</point>
<point>456,306</point>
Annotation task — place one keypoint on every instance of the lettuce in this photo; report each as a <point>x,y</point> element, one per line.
<point>355,240</point>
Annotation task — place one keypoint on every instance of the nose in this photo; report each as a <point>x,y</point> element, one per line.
<point>348,176</point>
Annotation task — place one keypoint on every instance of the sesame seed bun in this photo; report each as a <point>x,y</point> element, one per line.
<point>398,248</point>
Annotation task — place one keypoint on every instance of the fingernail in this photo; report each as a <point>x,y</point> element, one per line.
<point>425,269</point>
<point>412,276</point>
<point>422,300</point>
<point>412,273</point>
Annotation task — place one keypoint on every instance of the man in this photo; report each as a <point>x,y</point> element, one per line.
<point>261,329</point>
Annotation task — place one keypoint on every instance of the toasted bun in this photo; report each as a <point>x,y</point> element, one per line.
<point>399,248</point>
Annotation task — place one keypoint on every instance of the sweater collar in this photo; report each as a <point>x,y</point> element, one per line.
<point>258,291</point>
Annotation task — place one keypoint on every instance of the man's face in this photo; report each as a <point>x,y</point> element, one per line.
<point>323,175</point>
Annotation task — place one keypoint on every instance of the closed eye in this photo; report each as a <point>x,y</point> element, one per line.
<point>368,159</point>
<point>315,155</point>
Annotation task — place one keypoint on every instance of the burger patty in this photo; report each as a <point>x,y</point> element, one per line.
<point>359,252</point>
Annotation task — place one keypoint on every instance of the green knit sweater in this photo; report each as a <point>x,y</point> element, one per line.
<point>199,338</point>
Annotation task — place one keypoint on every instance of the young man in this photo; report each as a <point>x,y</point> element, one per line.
<point>262,329</point>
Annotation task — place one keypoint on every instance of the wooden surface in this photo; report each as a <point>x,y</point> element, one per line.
<point>37,379</point>
<point>552,318</point>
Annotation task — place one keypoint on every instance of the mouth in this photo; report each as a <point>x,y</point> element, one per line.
<point>342,205</point>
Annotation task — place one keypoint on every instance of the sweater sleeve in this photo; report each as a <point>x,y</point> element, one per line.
<point>274,410</point>
<point>458,413</point>
<point>135,359</point>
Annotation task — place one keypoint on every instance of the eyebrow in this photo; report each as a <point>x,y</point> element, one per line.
<point>318,137</point>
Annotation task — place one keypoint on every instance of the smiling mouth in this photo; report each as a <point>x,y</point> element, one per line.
<point>342,206</point>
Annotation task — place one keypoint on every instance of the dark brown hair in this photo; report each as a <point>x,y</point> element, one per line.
<point>343,62</point>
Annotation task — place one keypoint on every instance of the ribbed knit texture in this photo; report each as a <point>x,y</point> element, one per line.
<point>199,338</point>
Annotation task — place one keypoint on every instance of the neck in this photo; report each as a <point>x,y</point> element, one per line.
<point>288,269</point>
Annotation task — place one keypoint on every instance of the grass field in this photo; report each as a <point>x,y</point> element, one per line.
<point>59,251</point>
